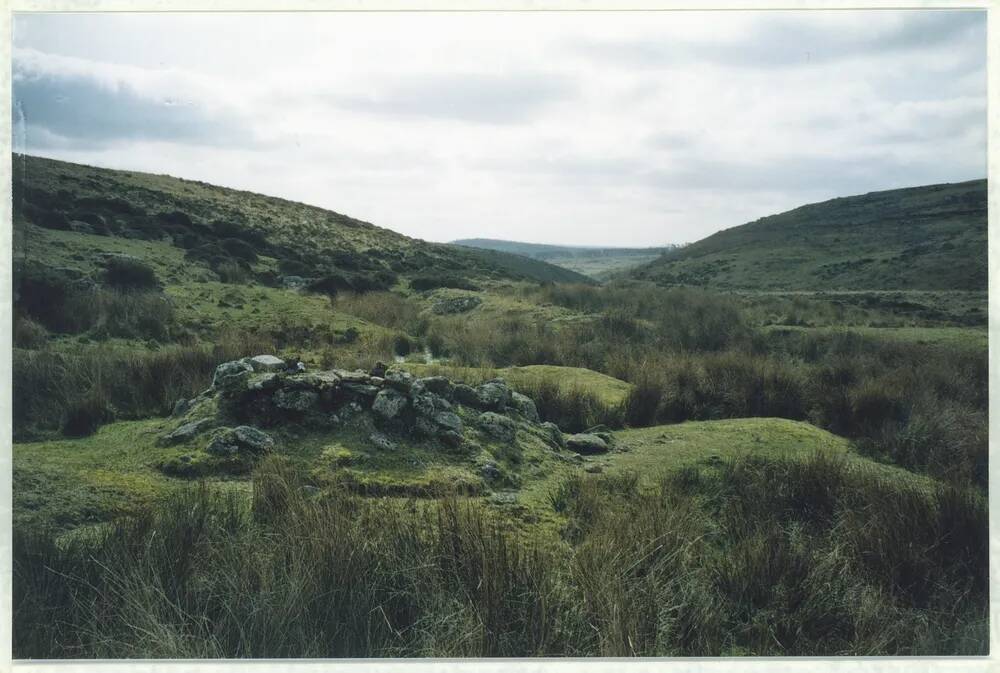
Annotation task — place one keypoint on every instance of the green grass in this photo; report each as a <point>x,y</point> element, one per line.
<point>929,238</point>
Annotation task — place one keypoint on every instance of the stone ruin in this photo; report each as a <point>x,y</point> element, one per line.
<point>262,392</point>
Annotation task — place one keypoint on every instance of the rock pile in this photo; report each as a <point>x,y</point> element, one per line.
<point>265,391</point>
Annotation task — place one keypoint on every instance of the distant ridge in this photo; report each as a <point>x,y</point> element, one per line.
<point>598,262</point>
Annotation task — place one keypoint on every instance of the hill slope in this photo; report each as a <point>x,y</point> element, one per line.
<point>596,262</point>
<point>204,219</point>
<point>926,238</point>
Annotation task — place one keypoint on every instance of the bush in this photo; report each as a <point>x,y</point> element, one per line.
<point>29,334</point>
<point>128,273</point>
<point>84,416</point>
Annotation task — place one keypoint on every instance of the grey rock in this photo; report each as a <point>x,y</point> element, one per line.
<point>390,404</point>
<point>376,381</point>
<point>294,282</point>
<point>360,389</point>
<point>313,381</point>
<point>186,432</point>
<point>586,444</point>
<point>490,471</point>
<point>295,400</point>
<point>493,395</point>
<point>449,421</point>
<point>231,376</point>
<point>181,407</point>
<point>497,426</point>
<point>464,394</point>
<point>454,305</point>
<point>381,441</point>
<point>451,438</point>
<point>264,382</point>
<point>438,385</point>
<point>267,363</point>
<point>525,406</point>
<point>242,439</point>
<point>554,434</point>
<point>399,379</point>
<point>356,376</point>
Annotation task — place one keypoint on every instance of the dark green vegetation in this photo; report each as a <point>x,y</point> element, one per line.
<point>789,472</point>
<point>922,238</point>
<point>596,262</point>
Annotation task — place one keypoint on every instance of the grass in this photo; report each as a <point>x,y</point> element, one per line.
<point>636,573</point>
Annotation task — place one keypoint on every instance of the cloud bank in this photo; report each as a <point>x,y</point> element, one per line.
<point>592,128</point>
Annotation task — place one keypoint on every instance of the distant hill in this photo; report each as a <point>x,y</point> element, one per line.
<point>206,220</point>
<point>919,238</point>
<point>596,262</point>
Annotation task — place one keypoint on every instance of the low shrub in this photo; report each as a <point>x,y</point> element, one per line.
<point>128,273</point>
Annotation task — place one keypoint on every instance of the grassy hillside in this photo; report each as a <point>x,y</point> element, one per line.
<point>921,238</point>
<point>215,224</point>
<point>596,262</point>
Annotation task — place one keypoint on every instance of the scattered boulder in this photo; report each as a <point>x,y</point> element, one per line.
<point>181,407</point>
<point>454,305</point>
<point>243,439</point>
<point>586,444</point>
<point>186,432</point>
<point>267,363</point>
<point>497,426</point>
<point>525,406</point>
<point>390,404</point>
<point>231,376</point>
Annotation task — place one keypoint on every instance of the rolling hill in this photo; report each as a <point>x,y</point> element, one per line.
<point>921,238</point>
<point>214,224</point>
<point>596,262</point>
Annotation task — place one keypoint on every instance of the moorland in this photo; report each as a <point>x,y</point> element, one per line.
<point>248,427</point>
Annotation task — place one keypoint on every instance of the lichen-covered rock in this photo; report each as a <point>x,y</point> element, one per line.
<point>346,376</point>
<point>554,434</point>
<point>464,394</point>
<point>449,421</point>
<point>360,389</point>
<point>390,404</point>
<point>243,439</point>
<point>297,400</point>
<point>181,407</point>
<point>525,406</point>
<point>264,382</point>
<point>497,426</point>
<point>186,432</point>
<point>399,379</point>
<point>493,395</point>
<point>586,444</point>
<point>312,380</point>
<point>381,441</point>
<point>231,376</point>
<point>438,385</point>
<point>267,363</point>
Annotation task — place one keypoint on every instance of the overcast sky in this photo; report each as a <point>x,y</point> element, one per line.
<point>597,128</point>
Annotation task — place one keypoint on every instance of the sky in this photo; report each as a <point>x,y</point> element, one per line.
<point>588,128</point>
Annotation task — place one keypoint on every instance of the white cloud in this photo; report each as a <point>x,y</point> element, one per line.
<point>595,128</point>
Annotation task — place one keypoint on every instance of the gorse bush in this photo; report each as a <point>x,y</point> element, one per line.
<point>212,573</point>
